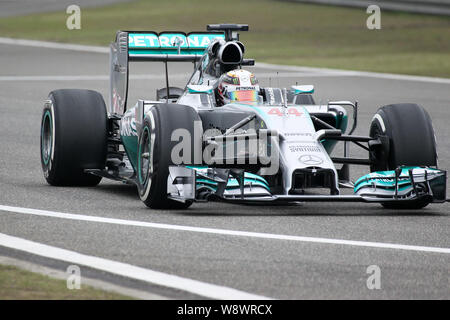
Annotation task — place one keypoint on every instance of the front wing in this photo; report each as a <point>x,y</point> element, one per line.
<point>405,184</point>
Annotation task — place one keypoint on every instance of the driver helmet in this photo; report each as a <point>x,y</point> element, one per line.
<point>238,85</point>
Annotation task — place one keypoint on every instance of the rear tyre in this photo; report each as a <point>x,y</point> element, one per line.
<point>154,153</point>
<point>409,141</point>
<point>73,137</point>
<point>304,99</point>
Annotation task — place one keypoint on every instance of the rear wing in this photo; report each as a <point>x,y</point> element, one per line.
<point>150,46</point>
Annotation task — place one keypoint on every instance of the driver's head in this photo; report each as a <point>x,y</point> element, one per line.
<point>238,85</point>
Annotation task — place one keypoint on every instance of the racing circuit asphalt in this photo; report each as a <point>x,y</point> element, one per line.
<point>267,267</point>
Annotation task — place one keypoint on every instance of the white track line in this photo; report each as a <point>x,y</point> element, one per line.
<point>53,45</point>
<point>127,270</point>
<point>62,275</point>
<point>335,72</point>
<point>55,78</point>
<point>259,235</point>
<point>151,77</point>
<point>89,77</point>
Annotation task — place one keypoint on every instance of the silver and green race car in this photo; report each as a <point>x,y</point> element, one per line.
<point>183,147</point>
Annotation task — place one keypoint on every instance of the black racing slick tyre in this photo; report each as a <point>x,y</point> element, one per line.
<point>304,99</point>
<point>73,137</point>
<point>155,149</point>
<point>409,140</point>
<point>174,93</point>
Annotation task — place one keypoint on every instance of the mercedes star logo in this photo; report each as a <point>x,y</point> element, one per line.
<point>310,160</point>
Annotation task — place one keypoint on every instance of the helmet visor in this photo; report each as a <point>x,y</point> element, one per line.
<point>243,95</point>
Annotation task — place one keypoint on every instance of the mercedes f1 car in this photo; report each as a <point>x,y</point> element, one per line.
<point>188,146</point>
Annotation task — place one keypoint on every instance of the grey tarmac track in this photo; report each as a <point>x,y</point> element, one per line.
<point>273,268</point>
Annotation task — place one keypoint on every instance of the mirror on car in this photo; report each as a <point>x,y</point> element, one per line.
<point>303,89</point>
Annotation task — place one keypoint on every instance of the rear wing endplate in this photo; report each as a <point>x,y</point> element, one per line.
<point>150,46</point>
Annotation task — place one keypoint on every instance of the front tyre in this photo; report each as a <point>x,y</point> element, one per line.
<point>410,141</point>
<point>154,152</point>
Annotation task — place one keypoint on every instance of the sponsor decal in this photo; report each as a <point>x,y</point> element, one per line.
<point>310,160</point>
<point>304,148</point>
<point>152,40</point>
<point>271,96</point>
<point>128,124</point>
<point>143,40</point>
<point>202,40</point>
<point>298,134</point>
<point>279,112</point>
<point>245,88</point>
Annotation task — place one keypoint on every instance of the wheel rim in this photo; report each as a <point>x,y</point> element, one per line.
<point>46,137</point>
<point>144,161</point>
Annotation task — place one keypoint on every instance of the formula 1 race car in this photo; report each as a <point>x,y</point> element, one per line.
<point>224,138</point>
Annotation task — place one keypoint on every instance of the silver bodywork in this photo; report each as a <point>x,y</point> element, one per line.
<point>298,144</point>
